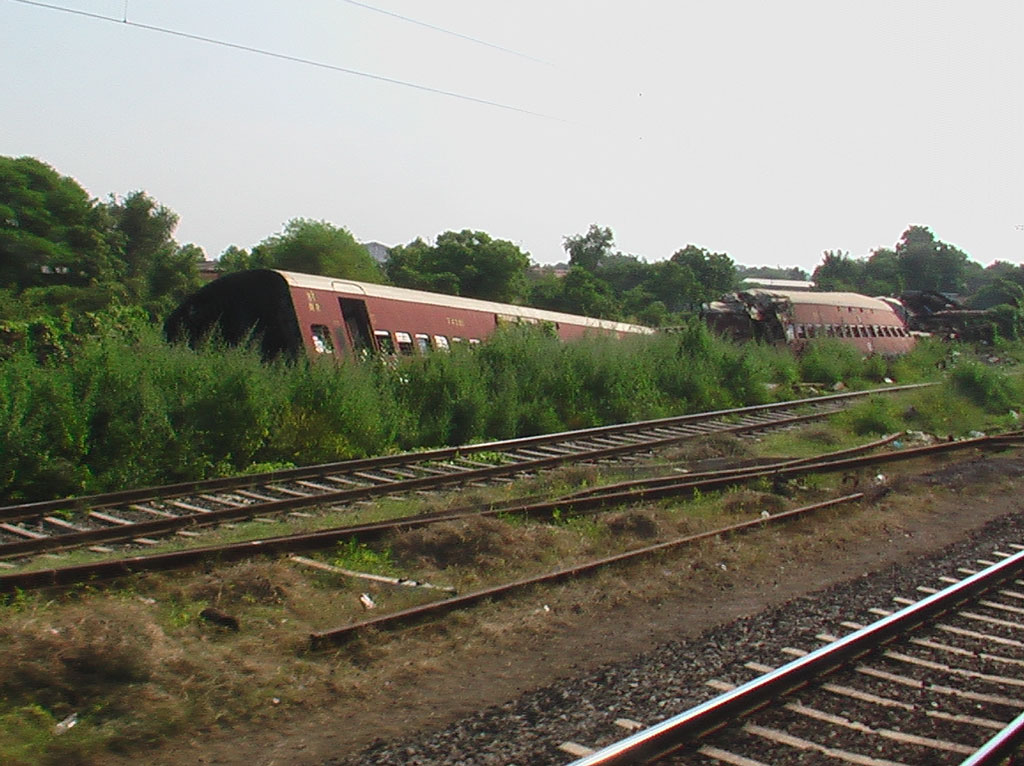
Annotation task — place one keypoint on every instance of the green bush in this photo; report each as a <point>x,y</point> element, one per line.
<point>877,415</point>
<point>831,361</point>
<point>986,387</point>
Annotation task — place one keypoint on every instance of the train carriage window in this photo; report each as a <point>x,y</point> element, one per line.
<point>440,343</point>
<point>384,341</point>
<point>404,342</point>
<point>423,343</point>
<point>322,342</point>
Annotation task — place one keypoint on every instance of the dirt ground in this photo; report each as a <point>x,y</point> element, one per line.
<point>932,508</point>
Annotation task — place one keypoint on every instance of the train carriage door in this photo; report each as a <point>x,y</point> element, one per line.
<point>357,323</point>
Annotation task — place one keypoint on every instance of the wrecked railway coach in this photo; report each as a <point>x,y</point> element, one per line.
<point>290,315</point>
<point>796,318</point>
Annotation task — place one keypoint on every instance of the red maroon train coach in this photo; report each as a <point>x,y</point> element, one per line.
<point>796,318</point>
<point>289,313</point>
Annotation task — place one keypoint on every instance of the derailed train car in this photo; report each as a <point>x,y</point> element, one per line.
<point>289,314</point>
<point>796,318</point>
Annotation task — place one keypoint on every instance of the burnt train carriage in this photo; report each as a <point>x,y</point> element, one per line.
<point>796,318</point>
<point>290,313</point>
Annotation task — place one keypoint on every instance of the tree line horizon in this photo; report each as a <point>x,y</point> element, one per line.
<point>64,253</point>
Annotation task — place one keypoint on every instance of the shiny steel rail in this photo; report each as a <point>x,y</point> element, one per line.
<point>653,743</point>
<point>140,515</point>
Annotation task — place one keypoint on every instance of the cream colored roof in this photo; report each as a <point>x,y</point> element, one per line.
<point>313,282</point>
<point>826,299</point>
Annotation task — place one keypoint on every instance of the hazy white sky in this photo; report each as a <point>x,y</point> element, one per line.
<point>770,131</point>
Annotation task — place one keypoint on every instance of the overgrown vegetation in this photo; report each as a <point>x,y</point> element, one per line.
<point>137,664</point>
<point>124,409</point>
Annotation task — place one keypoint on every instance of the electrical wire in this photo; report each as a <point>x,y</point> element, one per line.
<point>287,57</point>
<point>445,31</point>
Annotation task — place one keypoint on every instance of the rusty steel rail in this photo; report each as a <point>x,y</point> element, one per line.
<point>108,569</point>
<point>210,518</point>
<point>680,730</point>
<point>68,535</point>
<point>324,638</point>
<point>662,481</point>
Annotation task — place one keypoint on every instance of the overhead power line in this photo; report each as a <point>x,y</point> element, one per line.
<point>285,57</point>
<point>446,31</point>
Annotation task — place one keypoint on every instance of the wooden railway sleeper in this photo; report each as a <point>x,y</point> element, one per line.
<point>150,510</point>
<point>14,529</point>
<point>287,490</point>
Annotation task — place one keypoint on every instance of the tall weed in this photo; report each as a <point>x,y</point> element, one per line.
<point>126,409</point>
<point>987,387</point>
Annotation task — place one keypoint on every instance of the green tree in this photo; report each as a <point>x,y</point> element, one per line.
<point>929,264</point>
<point>881,274</point>
<point>838,271</point>
<point>589,251</point>
<point>466,262</point>
<point>673,284</point>
<point>151,267</point>
<point>583,293</point>
<point>1001,283</point>
<point>51,232</point>
<point>316,247</point>
<point>715,273</point>
<point>624,272</point>
<point>235,259</point>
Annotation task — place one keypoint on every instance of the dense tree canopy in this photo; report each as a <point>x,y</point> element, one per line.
<point>51,233</point>
<point>918,262</point>
<point>153,269</point>
<point>61,250</point>
<point>468,263</point>
<point>605,283</point>
<point>312,247</point>
<point>65,254</point>
<point>589,251</point>
<point>714,273</point>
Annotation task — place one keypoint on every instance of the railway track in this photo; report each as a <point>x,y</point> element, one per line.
<point>139,517</point>
<point>936,682</point>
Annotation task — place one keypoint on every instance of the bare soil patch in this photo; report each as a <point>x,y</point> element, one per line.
<point>424,678</point>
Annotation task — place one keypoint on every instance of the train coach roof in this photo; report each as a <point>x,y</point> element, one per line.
<point>853,300</point>
<point>314,282</point>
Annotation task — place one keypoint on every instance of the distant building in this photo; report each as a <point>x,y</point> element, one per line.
<point>558,269</point>
<point>377,251</point>
<point>776,284</point>
<point>209,270</point>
